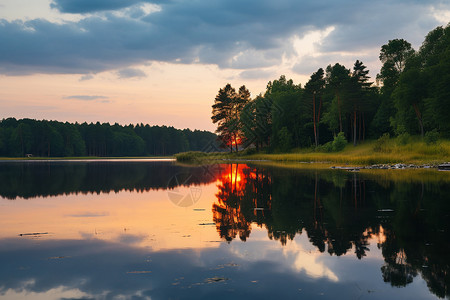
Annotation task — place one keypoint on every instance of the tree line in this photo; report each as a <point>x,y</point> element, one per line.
<point>410,96</point>
<point>23,137</point>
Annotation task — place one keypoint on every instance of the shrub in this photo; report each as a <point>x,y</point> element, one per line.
<point>381,145</point>
<point>248,151</point>
<point>327,147</point>
<point>431,137</point>
<point>339,142</point>
<point>403,139</point>
<point>190,156</point>
<point>284,140</point>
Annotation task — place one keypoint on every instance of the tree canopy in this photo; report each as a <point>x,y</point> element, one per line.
<point>51,138</point>
<point>411,95</point>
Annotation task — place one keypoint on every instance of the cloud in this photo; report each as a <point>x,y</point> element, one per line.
<point>309,64</point>
<point>257,74</point>
<point>131,73</point>
<point>117,34</point>
<point>85,97</point>
<point>89,6</point>
<point>86,77</point>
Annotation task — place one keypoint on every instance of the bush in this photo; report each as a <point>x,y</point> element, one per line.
<point>431,137</point>
<point>381,145</point>
<point>403,139</point>
<point>248,151</point>
<point>339,142</point>
<point>190,156</point>
<point>327,147</point>
<point>284,140</point>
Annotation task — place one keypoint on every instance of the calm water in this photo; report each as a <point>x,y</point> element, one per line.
<point>158,230</point>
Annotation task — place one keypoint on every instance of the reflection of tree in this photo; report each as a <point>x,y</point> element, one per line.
<point>417,238</point>
<point>287,202</point>
<point>341,212</point>
<point>396,269</point>
<point>33,179</point>
<point>227,213</point>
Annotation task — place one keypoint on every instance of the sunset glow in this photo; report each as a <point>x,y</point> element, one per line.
<point>157,71</point>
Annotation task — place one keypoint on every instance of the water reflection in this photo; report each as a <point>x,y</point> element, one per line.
<point>256,232</point>
<point>29,179</point>
<point>340,212</point>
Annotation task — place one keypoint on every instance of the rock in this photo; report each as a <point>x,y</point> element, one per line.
<point>445,166</point>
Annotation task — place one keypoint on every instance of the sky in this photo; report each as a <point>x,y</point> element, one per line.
<point>162,62</point>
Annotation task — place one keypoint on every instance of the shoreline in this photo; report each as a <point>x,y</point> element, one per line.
<point>212,158</point>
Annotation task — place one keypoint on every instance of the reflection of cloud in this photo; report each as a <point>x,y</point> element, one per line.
<point>98,269</point>
<point>308,261</point>
<point>131,239</point>
<point>55,293</point>
<point>297,255</point>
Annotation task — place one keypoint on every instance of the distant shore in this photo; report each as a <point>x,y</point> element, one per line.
<point>367,155</point>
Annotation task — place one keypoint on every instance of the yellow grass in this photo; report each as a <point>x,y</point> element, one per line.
<point>415,152</point>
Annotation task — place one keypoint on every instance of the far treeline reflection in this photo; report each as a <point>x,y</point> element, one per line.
<point>51,178</point>
<point>339,211</point>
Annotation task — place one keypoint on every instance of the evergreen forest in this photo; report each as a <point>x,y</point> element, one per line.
<point>28,137</point>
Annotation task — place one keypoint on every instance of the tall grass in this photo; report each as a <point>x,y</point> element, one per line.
<point>368,153</point>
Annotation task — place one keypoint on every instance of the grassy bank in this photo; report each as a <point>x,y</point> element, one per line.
<point>83,158</point>
<point>371,152</point>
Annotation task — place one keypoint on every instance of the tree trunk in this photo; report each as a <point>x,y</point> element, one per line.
<point>314,119</point>
<point>364,128</point>
<point>339,111</point>
<point>359,127</point>
<point>318,120</point>
<point>354,127</point>
<point>419,117</point>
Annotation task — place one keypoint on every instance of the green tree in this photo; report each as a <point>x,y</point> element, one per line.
<point>222,114</point>
<point>409,101</point>
<point>359,86</point>
<point>336,79</point>
<point>314,89</point>
<point>285,99</point>
<point>435,57</point>
<point>239,102</point>
<point>393,56</point>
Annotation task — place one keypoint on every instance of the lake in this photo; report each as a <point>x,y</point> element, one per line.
<point>154,229</point>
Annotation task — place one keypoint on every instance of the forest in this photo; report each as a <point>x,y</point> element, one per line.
<point>28,137</point>
<point>409,97</point>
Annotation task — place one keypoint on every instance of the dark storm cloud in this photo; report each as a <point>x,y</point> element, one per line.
<point>89,6</point>
<point>228,33</point>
